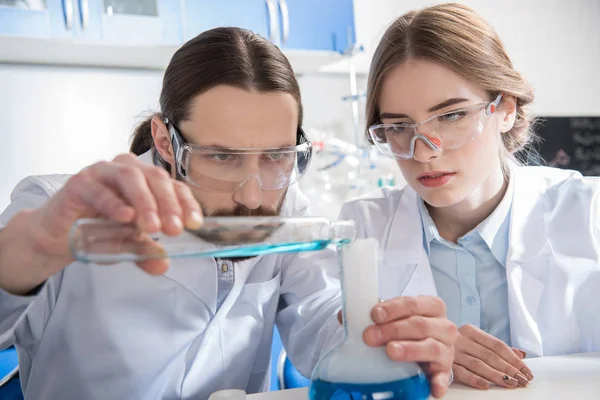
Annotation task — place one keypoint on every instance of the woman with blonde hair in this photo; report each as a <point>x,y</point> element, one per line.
<point>512,250</point>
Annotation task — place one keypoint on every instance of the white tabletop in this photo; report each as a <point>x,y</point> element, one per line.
<point>562,377</point>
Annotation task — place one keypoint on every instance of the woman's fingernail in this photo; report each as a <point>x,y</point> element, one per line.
<point>522,380</point>
<point>482,383</point>
<point>520,353</point>
<point>379,314</point>
<point>510,381</point>
<point>527,373</point>
<point>524,353</point>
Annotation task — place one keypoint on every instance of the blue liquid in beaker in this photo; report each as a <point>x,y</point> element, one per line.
<point>413,388</point>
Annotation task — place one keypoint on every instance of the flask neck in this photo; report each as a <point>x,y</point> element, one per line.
<point>360,286</point>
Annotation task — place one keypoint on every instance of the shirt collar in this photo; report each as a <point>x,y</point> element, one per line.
<point>494,229</point>
<point>430,231</point>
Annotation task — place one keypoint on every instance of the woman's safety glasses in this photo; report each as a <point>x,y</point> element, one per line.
<point>443,132</point>
<point>218,169</point>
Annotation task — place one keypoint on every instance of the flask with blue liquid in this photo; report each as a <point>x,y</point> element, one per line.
<point>353,370</point>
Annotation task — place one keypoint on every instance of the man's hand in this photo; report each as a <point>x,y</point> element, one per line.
<point>34,245</point>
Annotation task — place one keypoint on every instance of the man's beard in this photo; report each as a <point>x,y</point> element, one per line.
<point>242,211</point>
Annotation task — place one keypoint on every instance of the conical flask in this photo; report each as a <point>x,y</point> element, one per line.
<point>353,370</point>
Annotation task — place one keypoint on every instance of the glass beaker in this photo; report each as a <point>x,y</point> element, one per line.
<point>353,370</point>
<point>101,241</point>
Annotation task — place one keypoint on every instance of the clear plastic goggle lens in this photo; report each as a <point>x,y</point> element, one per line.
<point>444,132</point>
<point>228,170</point>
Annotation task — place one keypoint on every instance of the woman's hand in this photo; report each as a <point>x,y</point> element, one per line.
<point>480,358</point>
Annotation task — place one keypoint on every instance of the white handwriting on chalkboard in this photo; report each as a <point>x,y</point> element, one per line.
<point>585,123</point>
<point>585,138</point>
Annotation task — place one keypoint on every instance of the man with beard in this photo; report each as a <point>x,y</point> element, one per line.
<point>227,141</point>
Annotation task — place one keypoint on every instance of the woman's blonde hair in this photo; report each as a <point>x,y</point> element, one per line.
<point>456,37</point>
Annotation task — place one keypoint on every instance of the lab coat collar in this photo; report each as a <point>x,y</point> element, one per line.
<point>494,229</point>
<point>531,257</point>
<point>525,268</point>
<point>405,241</point>
<point>430,231</point>
<point>527,224</point>
<point>405,268</point>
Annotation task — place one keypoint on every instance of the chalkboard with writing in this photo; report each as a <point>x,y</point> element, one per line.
<point>570,143</point>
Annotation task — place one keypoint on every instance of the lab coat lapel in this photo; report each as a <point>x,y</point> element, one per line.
<point>199,277</point>
<point>527,259</point>
<point>405,269</point>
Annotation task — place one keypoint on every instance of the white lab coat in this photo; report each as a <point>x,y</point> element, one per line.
<point>97,332</point>
<point>552,266</point>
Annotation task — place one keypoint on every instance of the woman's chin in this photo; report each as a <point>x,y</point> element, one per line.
<point>440,198</point>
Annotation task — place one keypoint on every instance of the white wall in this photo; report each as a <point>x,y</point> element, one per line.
<point>323,105</point>
<point>555,44</point>
<point>58,120</point>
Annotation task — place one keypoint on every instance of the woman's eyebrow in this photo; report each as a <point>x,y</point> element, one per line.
<point>444,104</point>
<point>449,102</point>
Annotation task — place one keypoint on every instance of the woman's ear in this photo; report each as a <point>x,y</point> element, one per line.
<point>508,112</point>
<point>162,140</point>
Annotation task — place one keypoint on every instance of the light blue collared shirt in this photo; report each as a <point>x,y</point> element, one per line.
<point>226,274</point>
<point>471,276</point>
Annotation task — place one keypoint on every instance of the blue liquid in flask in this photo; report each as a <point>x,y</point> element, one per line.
<point>352,370</point>
<point>413,388</point>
